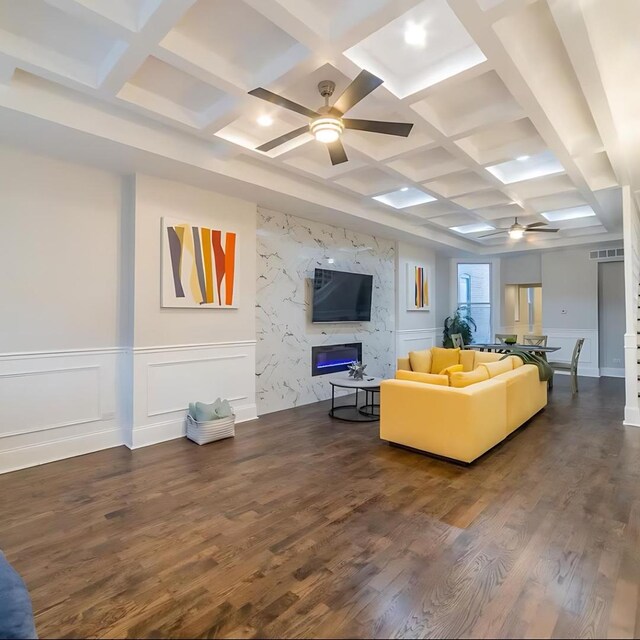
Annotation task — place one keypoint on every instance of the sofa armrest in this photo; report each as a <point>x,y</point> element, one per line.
<point>455,423</point>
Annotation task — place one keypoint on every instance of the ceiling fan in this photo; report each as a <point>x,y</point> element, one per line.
<point>516,231</point>
<point>327,123</point>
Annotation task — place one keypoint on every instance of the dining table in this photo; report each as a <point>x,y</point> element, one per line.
<point>502,347</point>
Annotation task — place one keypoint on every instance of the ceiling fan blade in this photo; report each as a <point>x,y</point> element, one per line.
<point>537,224</point>
<point>495,233</point>
<point>272,144</point>
<point>363,84</point>
<point>274,98</point>
<point>337,153</point>
<point>541,230</point>
<point>377,126</point>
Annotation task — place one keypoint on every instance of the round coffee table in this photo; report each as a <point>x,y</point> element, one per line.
<point>369,411</point>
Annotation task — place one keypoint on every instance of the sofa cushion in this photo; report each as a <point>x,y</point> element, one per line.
<point>454,368</point>
<point>443,358</point>
<point>468,359</point>
<point>404,363</point>
<point>497,368</point>
<point>429,378</point>
<point>420,361</point>
<point>467,378</point>
<point>486,356</point>
<point>517,362</point>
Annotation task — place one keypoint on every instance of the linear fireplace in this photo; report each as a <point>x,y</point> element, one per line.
<point>332,358</point>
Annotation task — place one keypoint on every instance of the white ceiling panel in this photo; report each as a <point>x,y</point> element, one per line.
<point>422,47</point>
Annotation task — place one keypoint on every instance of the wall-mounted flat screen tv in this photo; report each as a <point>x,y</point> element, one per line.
<point>339,296</point>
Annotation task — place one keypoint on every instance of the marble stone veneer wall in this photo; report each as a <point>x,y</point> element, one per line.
<point>289,249</point>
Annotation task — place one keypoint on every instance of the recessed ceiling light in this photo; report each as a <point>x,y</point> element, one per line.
<point>473,228</point>
<point>405,197</point>
<point>573,213</point>
<point>526,168</point>
<point>415,34</point>
<point>265,121</point>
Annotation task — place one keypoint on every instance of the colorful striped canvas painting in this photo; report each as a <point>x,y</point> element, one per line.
<point>418,282</point>
<point>198,266</point>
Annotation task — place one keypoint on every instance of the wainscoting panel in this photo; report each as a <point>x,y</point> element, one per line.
<point>55,405</point>
<point>166,379</point>
<point>566,340</point>
<point>416,339</point>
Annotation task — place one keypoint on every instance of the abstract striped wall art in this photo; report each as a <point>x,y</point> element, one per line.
<point>198,266</point>
<point>418,288</point>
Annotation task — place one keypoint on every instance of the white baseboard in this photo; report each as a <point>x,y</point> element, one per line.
<point>171,429</point>
<point>586,372</point>
<point>44,452</point>
<point>631,416</point>
<point>612,372</point>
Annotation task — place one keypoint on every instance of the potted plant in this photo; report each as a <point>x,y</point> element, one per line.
<point>460,322</point>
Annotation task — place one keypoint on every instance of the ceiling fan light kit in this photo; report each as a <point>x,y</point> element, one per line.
<point>327,124</point>
<point>517,231</point>
<point>326,128</point>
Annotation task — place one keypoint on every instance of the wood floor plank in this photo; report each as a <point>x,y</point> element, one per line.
<point>306,527</point>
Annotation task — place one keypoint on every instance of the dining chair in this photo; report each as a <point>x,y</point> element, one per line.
<point>534,340</point>
<point>501,338</point>
<point>571,367</point>
<point>457,340</point>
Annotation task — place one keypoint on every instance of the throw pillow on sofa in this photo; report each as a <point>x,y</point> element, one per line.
<point>420,361</point>
<point>462,379</point>
<point>468,359</point>
<point>454,368</point>
<point>443,358</point>
<point>497,368</point>
<point>429,378</point>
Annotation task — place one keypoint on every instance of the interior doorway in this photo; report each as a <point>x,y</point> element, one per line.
<point>611,320</point>
<point>523,307</point>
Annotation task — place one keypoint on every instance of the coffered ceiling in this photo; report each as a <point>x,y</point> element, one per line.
<point>518,106</point>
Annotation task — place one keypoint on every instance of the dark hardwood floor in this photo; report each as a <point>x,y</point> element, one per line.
<point>303,526</point>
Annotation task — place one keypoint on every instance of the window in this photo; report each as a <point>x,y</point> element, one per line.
<point>474,292</point>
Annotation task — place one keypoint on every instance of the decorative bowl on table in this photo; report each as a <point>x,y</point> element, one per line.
<point>510,341</point>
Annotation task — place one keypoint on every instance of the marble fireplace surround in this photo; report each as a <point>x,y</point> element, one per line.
<point>289,249</point>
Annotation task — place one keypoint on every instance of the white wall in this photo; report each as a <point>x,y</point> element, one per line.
<point>58,291</point>
<point>59,342</point>
<point>182,355</point>
<point>88,359</point>
<point>525,269</point>
<point>415,329</point>
<point>156,198</point>
<point>289,250</point>
<point>570,305</point>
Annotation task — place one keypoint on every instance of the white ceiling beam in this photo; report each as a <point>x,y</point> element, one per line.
<point>7,69</point>
<point>145,41</point>
<point>478,24</point>
<point>569,18</point>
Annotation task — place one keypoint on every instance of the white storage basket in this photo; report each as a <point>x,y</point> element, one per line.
<point>203,432</point>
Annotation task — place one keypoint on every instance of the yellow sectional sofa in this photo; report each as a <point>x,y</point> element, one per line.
<point>458,422</point>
